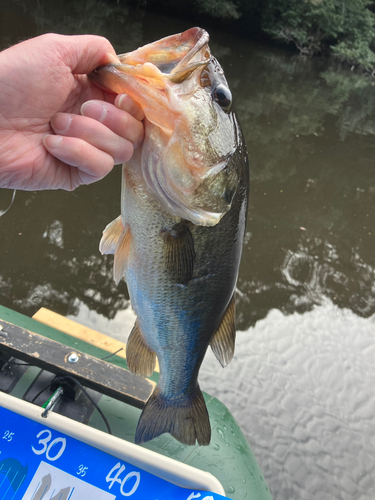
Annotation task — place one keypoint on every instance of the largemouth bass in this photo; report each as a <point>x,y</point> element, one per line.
<point>178,240</point>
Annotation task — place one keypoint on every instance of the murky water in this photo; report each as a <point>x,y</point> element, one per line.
<point>301,384</point>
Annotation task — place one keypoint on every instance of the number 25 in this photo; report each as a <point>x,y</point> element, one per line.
<point>8,436</point>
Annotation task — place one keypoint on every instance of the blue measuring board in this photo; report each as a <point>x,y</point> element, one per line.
<point>40,463</point>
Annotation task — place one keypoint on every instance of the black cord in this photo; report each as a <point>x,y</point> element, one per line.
<point>14,363</point>
<point>69,377</point>
<point>63,380</point>
<point>110,356</point>
<point>9,362</point>
<point>41,392</point>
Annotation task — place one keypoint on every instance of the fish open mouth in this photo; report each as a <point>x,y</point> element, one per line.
<point>175,56</point>
<point>146,72</point>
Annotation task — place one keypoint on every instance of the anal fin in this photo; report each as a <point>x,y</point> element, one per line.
<point>179,252</point>
<point>140,359</point>
<point>223,340</point>
<point>185,418</point>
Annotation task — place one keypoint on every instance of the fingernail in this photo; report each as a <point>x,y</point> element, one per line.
<point>126,103</point>
<point>119,100</point>
<point>112,58</point>
<point>95,109</point>
<point>61,122</point>
<point>52,141</point>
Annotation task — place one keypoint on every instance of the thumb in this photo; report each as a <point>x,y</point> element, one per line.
<point>84,53</point>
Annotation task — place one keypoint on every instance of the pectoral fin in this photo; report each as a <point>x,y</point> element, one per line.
<point>140,359</point>
<point>222,343</point>
<point>179,252</point>
<point>116,239</point>
<point>111,235</point>
<point>122,254</point>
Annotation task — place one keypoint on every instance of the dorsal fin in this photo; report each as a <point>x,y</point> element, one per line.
<point>179,252</point>
<point>140,358</point>
<point>223,340</point>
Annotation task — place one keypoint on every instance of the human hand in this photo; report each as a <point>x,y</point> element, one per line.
<point>44,142</point>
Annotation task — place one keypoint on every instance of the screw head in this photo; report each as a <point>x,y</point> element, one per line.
<point>73,357</point>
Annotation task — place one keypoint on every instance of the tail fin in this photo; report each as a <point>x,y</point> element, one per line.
<point>186,419</point>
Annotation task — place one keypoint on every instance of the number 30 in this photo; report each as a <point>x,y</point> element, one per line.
<point>47,448</point>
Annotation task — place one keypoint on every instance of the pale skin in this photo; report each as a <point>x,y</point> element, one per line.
<point>57,130</point>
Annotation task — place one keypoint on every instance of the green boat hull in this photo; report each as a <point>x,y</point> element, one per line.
<point>228,457</point>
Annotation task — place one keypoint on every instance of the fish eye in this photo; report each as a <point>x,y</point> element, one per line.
<point>223,96</point>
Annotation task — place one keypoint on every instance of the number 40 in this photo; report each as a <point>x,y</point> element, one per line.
<point>116,479</point>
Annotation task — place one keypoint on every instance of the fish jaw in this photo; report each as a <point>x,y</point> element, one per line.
<point>149,73</point>
<point>189,138</point>
<point>175,56</point>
